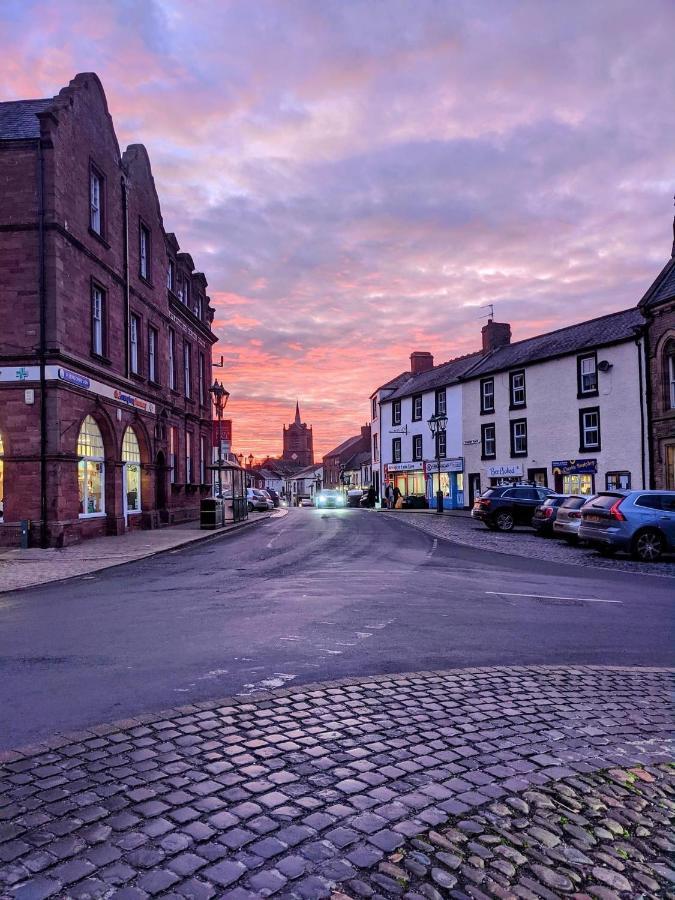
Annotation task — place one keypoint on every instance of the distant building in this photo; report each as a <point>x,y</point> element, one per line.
<point>298,442</point>
<point>305,484</point>
<point>335,462</point>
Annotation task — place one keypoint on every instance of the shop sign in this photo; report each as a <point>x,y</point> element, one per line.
<point>20,373</point>
<point>574,466</point>
<point>222,432</point>
<point>74,378</point>
<point>454,464</point>
<point>404,467</point>
<point>130,400</point>
<point>514,471</point>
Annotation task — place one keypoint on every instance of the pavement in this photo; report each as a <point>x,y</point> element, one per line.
<point>472,783</point>
<point>26,568</point>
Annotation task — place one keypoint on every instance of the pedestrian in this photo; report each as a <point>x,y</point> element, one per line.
<point>389,496</point>
<point>370,501</point>
<point>398,499</point>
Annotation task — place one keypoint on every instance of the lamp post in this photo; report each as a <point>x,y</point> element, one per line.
<point>437,425</point>
<point>220,398</point>
<point>249,460</point>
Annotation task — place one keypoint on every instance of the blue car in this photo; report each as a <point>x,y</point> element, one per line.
<point>640,522</point>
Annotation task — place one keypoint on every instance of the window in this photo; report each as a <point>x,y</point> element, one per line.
<point>517,389</point>
<point>587,375</point>
<point>441,404</point>
<point>617,481</point>
<point>396,450</point>
<point>487,395</point>
<point>144,236</point>
<point>589,429</point>
<point>441,445</point>
<point>376,452</point>
<point>198,308</point>
<point>578,484</point>
<point>131,457</point>
<point>670,374</point>
<point>374,410</point>
<point>488,441</point>
<point>172,359</point>
<point>417,446</point>
<point>134,333</point>
<point>188,457</point>
<point>184,290</point>
<point>417,408</point>
<point>153,339</point>
<point>96,201</point>
<point>202,392</point>
<point>519,437</point>
<point>171,276</point>
<point>396,412</point>
<point>187,369</point>
<point>97,321</point>
<point>202,460</point>
<point>173,454</point>
<point>90,469</point>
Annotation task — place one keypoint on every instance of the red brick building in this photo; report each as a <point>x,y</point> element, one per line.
<point>105,347</point>
<point>337,460</point>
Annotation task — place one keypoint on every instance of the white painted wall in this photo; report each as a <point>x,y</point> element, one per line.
<point>453,396</point>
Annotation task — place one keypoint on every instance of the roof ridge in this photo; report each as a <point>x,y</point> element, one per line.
<point>544,334</point>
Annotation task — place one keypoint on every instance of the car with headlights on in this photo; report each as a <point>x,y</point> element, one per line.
<point>330,500</point>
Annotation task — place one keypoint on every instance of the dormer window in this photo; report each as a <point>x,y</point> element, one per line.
<point>171,276</point>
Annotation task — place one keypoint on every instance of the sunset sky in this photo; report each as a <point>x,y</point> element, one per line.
<point>357,177</point>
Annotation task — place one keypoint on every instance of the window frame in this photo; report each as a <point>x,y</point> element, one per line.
<point>395,412</point>
<point>584,447</point>
<point>144,231</point>
<point>95,173</point>
<point>187,369</point>
<point>153,357</point>
<point>416,414</point>
<point>617,487</point>
<point>417,454</point>
<point>670,374</point>
<point>441,409</point>
<point>513,404</point>
<point>96,288</point>
<point>201,376</point>
<point>202,459</point>
<point>174,446</point>
<point>512,433</point>
<point>487,410</point>
<point>396,450</point>
<point>581,393</point>
<point>189,467</point>
<point>173,380</point>
<point>441,444</point>
<point>135,325</point>
<point>374,409</point>
<point>171,276</point>
<point>97,459</point>
<point>483,432</point>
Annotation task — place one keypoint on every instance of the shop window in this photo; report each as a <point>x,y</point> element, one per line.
<point>131,457</point>
<point>587,375</point>
<point>578,484</point>
<point>97,321</point>
<point>91,469</point>
<point>396,412</point>
<point>517,389</point>
<point>417,446</point>
<point>487,395</point>
<point>188,457</point>
<point>519,437</point>
<point>617,481</point>
<point>2,480</point>
<point>202,460</point>
<point>396,450</point>
<point>589,429</point>
<point>417,408</point>
<point>488,440</point>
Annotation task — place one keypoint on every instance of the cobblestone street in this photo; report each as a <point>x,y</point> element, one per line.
<point>462,529</point>
<point>297,792</point>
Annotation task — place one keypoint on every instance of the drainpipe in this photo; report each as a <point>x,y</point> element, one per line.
<point>125,240</point>
<point>645,399</point>
<point>42,352</point>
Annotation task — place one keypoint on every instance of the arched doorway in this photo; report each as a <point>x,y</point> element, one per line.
<point>131,474</point>
<point>160,484</point>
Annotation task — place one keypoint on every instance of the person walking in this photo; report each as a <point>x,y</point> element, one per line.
<point>389,496</point>
<point>397,497</point>
<point>371,497</point>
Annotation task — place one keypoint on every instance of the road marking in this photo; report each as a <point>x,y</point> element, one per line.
<point>547,597</point>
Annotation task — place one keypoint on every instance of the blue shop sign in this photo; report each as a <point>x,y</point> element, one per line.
<point>74,378</point>
<point>574,466</point>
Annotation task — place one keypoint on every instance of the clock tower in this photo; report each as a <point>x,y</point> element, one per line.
<point>298,442</point>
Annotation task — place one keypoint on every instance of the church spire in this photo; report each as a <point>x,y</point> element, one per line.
<point>297,413</point>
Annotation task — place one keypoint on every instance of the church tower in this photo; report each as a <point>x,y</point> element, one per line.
<point>298,442</point>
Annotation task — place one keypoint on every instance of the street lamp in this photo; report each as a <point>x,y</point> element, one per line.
<point>249,459</point>
<point>220,398</point>
<point>437,425</point>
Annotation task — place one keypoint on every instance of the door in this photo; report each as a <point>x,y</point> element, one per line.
<point>474,487</point>
<point>131,489</point>
<point>160,485</point>
<point>538,476</point>
<point>525,501</point>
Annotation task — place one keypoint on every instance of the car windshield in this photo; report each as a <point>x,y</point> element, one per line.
<point>552,501</point>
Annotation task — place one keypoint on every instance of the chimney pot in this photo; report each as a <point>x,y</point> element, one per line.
<point>421,361</point>
<point>495,334</point>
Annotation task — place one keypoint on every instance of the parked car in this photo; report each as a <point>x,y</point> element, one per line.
<point>415,501</point>
<point>305,501</point>
<point>502,508</point>
<point>330,499</point>
<point>546,513</point>
<point>355,496</point>
<point>268,498</point>
<point>276,499</point>
<point>568,518</point>
<point>256,499</point>
<point>639,522</point>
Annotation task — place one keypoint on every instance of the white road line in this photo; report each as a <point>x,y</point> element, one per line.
<point>547,597</point>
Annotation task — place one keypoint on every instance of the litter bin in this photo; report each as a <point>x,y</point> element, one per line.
<point>212,513</point>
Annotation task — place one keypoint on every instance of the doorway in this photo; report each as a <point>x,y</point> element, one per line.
<point>538,477</point>
<point>160,486</point>
<point>474,487</point>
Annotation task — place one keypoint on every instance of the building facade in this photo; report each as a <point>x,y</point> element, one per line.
<point>105,352</point>
<point>298,446</point>
<point>335,461</point>
<point>658,307</point>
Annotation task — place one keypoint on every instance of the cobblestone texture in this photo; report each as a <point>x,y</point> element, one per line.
<point>462,529</point>
<point>300,791</point>
<point>604,835</point>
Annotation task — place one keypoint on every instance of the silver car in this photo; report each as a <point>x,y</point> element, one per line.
<point>639,522</point>
<point>568,519</point>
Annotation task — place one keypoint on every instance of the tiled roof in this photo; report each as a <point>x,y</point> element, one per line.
<point>663,287</point>
<point>18,119</point>
<point>358,460</point>
<point>345,445</point>
<point>445,373</point>
<point>394,382</point>
<point>610,329</point>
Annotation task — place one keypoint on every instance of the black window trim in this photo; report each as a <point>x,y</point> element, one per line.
<point>417,457</point>
<point>396,445</point>
<point>484,410</point>
<point>483,428</point>
<point>582,446</point>
<point>395,412</point>
<point>618,472</point>
<point>512,375</point>
<point>581,394</point>
<point>512,424</point>
<point>441,392</point>
<point>415,398</point>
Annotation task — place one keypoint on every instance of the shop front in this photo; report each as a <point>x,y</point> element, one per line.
<point>450,480</point>
<point>508,474</point>
<point>408,477</point>
<point>574,476</point>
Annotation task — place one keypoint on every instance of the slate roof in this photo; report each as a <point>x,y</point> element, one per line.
<point>358,460</point>
<point>18,119</point>
<point>663,287</point>
<point>445,373</point>
<point>345,445</point>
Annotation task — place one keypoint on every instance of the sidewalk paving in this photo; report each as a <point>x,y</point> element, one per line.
<point>468,783</point>
<point>25,568</point>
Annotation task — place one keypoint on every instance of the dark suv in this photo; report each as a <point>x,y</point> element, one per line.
<point>501,508</point>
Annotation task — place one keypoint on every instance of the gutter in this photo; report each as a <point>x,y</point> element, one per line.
<point>42,351</point>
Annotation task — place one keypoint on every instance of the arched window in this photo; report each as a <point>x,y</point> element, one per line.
<point>669,373</point>
<point>2,493</point>
<point>131,456</point>
<point>91,469</point>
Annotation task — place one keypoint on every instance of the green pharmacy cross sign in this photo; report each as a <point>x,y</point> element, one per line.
<point>22,374</point>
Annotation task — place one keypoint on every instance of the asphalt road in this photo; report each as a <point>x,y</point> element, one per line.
<point>313,596</point>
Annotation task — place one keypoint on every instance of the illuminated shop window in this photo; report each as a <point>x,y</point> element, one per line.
<point>90,469</point>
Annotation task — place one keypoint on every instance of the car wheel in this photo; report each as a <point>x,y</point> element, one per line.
<point>648,545</point>
<point>504,521</point>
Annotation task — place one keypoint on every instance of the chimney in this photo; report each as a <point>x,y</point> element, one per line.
<point>495,334</point>
<point>365,433</point>
<point>420,362</point>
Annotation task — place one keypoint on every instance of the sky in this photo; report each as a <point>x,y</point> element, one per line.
<point>358,179</point>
